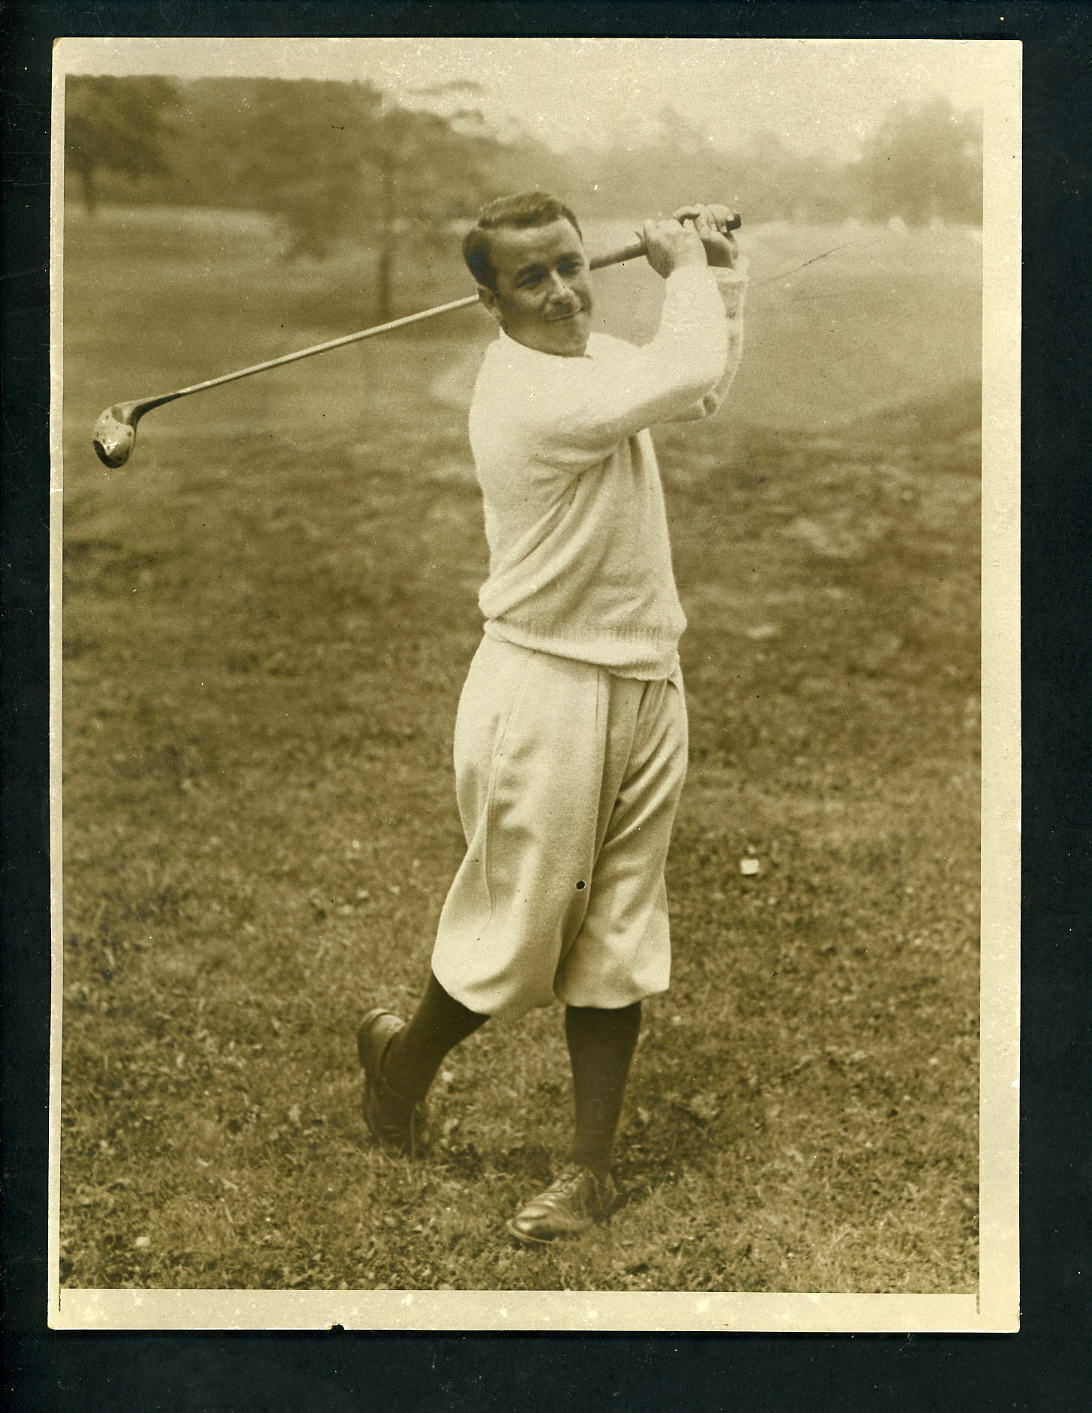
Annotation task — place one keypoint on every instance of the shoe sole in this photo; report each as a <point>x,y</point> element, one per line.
<point>528,1240</point>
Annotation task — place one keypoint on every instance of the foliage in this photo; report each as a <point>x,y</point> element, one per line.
<point>343,162</point>
<point>115,125</point>
<point>209,163</point>
<point>923,162</point>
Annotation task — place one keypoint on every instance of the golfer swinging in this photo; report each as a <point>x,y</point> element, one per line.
<point>570,739</point>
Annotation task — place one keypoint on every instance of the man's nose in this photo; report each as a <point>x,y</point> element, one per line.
<point>560,293</point>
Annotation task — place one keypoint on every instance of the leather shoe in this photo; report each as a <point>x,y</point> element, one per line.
<point>573,1202</point>
<point>396,1126</point>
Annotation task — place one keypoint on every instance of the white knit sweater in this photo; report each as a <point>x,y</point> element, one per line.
<point>579,556</point>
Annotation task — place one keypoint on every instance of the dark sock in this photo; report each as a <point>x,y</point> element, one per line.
<point>415,1054</point>
<point>601,1045</point>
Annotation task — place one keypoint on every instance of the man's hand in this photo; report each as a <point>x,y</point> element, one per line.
<point>711,224</point>
<point>669,246</point>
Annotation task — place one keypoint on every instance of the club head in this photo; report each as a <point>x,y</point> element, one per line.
<point>114,435</point>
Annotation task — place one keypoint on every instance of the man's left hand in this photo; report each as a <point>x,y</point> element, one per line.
<point>711,223</point>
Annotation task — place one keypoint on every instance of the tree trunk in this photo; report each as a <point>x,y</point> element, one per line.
<point>384,270</point>
<point>86,174</point>
<point>384,274</point>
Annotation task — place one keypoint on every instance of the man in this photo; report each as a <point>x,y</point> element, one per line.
<point>570,740</point>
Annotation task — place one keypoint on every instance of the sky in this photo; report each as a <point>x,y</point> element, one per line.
<point>816,93</point>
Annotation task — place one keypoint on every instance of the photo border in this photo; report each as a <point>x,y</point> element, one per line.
<point>995,1307</point>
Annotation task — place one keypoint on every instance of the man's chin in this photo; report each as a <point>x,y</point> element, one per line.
<point>567,338</point>
<point>570,336</point>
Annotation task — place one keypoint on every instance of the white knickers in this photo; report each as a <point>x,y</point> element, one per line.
<point>568,778</point>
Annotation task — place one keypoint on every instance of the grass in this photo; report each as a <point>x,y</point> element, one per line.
<point>267,618</point>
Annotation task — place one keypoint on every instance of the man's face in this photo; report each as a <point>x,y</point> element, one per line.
<point>543,298</point>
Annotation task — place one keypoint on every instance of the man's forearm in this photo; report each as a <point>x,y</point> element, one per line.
<point>594,406</point>
<point>732,284</point>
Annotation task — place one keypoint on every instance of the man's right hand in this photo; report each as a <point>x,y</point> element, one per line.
<point>671,246</point>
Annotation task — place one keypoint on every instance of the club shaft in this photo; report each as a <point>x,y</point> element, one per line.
<point>341,342</point>
<point>634,251</point>
<point>629,252</point>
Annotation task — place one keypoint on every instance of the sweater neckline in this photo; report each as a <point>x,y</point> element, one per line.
<point>509,343</point>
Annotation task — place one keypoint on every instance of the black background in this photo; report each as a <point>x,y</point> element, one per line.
<point>1045,1366</point>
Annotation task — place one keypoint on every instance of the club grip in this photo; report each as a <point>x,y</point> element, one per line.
<point>637,249</point>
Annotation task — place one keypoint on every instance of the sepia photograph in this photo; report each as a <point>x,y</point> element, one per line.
<point>535,684</point>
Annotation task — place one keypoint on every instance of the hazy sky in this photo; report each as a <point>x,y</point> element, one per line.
<point>815,92</point>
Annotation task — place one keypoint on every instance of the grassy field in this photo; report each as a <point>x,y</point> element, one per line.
<point>267,618</point>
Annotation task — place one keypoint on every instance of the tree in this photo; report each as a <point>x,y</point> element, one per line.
<point>207,146</point>
<point>115,125</point>
<point>430,168</point>
<point>343,162</point>
<point>924,162</point>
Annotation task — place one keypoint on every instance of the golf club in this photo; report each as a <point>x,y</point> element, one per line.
<point>114,433</point>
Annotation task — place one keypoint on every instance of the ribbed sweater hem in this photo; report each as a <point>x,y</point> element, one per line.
<point>646,653</point>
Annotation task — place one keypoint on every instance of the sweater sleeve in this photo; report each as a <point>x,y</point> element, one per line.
<point>590,405</point>
<point>732,285</point>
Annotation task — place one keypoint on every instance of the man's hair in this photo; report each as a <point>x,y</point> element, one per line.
<point>529,208</point>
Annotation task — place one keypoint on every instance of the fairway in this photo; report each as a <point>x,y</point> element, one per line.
<point>267,617</point>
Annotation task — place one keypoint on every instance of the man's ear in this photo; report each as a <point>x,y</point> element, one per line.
<point>489,301</point>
